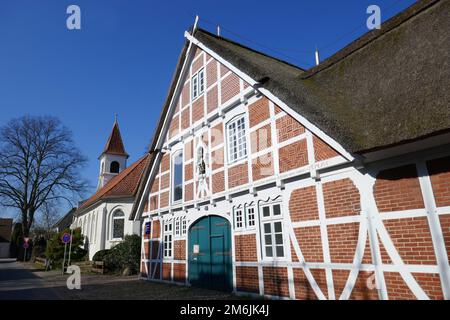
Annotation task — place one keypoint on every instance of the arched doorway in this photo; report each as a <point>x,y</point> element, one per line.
<point>210,260</point>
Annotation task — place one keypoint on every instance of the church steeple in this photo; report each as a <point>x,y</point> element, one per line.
<point>113,159</point>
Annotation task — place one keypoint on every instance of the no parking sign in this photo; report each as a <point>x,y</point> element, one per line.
<point>65,238</point>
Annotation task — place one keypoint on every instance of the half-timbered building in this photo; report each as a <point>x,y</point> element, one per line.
<point>327,183</point>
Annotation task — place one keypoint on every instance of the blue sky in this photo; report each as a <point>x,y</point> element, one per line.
<point>123,57</point>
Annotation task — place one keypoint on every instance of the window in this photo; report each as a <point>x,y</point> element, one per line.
<point>239,219</point>
<point>198,84</point>
<point>118,222</point>
<point>272,231</point>
<point>177,169</point>
<point>114,167</point>
<point>237,148</point>
<point>177,227</point>
<point>168,240</point>
<point>251,217</point>
<point>183,226</point>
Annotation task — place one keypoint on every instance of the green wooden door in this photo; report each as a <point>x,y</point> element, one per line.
<point>209,252</point>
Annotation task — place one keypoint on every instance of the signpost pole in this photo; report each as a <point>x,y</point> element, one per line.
<point>70,246</point>
<point>64,259</point>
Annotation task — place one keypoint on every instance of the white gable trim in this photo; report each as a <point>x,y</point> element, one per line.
<point>162,134</point>
<point>306,123</point>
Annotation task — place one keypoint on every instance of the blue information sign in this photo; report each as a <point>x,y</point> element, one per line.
<point>147,228</point>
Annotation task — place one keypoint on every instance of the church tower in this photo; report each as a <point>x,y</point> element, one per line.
<point>113,159</point>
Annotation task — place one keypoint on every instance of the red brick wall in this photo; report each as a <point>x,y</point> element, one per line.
<point>322,151</point>
<point>165,162</point>
<point>260,139</point>
<point>237,175</point>
<point>397,288</point>
<point>398,189</point>
<point>211,73</point>
<point>154,202</point>
<point>216,135</point>
<point>179,272</point>
<point>185,118</point>
<point>164,199</point>
<point>218,182</point>
<point>198,109</point>
<point>229,87</point>
<point>288,127</point>
<point>303,204</point>
<point>167,271</point>
<point>156,232</point>
<point>188,150</point>
<point>155,186</point>
<point>275,281</point>
<point>212,102</point>
<point>360,290</point>
<point>245,247</point>
<point>217,158</point>
<point>303,290</point>
<point>174,126</point>
<point>439,171</point>
<point>310,242</point>
<point>186,94</point>
<point>293,156</point>
<point>188,192</point>
<point>165,179</point>
<point>247,279</point>
<point>445,225</point>
<point>431,284</point>
<point>412,238</point>
<point>258,111</point>
<point>342,239</point>
<point>262,167</point>
<point>188,171</point>
<point>179,249</point>
<point>341,198</point>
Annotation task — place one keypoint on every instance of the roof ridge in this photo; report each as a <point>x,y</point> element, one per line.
<point>368,37</point>
<point>248,48</point>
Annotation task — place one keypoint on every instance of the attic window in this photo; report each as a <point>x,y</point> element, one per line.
<point>198,84</point>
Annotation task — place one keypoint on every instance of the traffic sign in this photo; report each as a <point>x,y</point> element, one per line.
<point>26,239</point>
<point>65,238</point>
<point>25,245</point>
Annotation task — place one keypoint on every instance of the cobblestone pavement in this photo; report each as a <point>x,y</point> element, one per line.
<point>52,285</point>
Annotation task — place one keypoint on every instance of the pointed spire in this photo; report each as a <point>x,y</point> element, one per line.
<point>115,144</point>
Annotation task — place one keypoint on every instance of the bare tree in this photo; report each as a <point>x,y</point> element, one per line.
<point>39,164</point>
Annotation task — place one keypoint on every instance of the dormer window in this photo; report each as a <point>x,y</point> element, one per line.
<point>198,84</point>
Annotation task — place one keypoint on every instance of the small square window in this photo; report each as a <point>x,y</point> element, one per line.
<point>276,210</point>
<point>266,211</point>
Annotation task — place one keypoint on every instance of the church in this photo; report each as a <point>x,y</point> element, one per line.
<point>267,179</point>
<point>104,217</point>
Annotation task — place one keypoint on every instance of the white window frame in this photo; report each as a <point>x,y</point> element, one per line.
<point>230,154</point>
<point>112,224</point>
<point>177,227</point>
<point>168,240</point>
<point>172,169</point>
<point>253,213</point>
<point>272,220</point>
<point>198,81</point>
<point>242,219</point>
<point>183,226</point>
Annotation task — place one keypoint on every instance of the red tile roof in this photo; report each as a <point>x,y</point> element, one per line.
<point>115,143</point>
<point>125,184</point>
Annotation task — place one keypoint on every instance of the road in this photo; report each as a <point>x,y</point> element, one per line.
<point>18,282</point>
